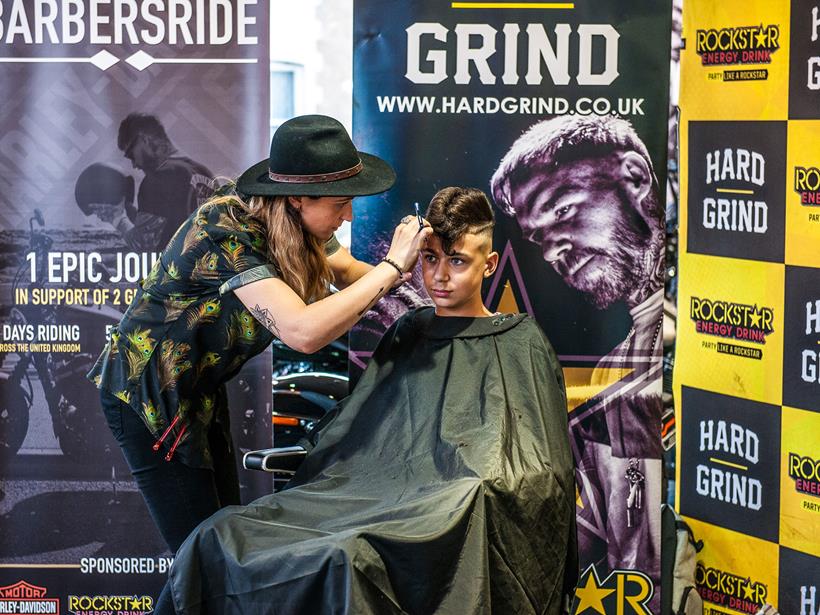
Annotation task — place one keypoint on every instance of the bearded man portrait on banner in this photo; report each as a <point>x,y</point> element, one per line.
<point>584,190</point>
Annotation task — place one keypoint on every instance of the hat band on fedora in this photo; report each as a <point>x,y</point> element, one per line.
<point>316,179</point>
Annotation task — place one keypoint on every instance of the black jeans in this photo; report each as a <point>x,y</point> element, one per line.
<point>178,497</point>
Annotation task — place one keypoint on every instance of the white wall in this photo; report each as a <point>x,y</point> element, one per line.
<point>314,39</point>
<point>318,36</point>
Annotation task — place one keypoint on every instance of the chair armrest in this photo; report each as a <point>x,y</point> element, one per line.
<point>284,459</point>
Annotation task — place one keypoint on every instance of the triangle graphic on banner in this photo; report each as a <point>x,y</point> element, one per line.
<point>508,304</point>
<point>580,388</point>
<point>514,281</point>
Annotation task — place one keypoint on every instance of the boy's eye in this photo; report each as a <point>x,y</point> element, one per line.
<point>457,261</point>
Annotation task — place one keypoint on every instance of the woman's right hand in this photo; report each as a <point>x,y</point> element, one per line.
<point>408,239</point>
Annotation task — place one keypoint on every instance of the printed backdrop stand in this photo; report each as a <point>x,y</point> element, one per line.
<point>75,535</point>
<point>746,383</point>
<point>442,90</point>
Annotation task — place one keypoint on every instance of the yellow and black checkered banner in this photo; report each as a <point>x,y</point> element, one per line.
<point>747,381</point>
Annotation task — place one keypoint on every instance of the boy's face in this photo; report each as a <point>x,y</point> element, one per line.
<point>453,280</point>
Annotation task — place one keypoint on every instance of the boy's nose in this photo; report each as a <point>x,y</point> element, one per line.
<point>441,273</point>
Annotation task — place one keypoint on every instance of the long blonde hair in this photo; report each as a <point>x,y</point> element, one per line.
<point>299,256</point>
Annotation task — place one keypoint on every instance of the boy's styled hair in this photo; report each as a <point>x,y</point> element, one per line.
<point>455,211</point>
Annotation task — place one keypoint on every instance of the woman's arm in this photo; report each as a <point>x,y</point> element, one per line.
<point>345,268</point>
<point>309,327</point>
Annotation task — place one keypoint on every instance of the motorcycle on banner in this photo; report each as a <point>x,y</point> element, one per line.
<point>72,401</point>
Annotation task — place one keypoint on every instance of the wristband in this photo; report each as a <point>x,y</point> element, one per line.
<point>393,263</point>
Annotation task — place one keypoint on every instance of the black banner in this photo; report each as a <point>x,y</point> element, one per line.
<point>801,343</point>
<point>444,91</point>
<point>737,194</point>
<point>117,121</point>
<point>733,444</point>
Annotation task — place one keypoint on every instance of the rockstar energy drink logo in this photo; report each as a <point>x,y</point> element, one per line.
<point>742,45</point>
<point>807,185</point>
<point>114,605</point>
<point>805,472</point>
<point>732,320</point>
<point>729,590</point>
<point>626,592</point>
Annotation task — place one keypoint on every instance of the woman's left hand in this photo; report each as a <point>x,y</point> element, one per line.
<point>408,239</point>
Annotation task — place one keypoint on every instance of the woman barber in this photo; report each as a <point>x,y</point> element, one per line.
<point>237,273</point>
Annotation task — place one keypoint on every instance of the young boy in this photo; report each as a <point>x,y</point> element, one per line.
<point>459,254</point>
<point>443,484</point>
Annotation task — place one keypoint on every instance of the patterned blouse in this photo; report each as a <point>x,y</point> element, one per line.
<point>186,333</point>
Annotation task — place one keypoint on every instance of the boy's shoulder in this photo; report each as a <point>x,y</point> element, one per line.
<point>425,322</point>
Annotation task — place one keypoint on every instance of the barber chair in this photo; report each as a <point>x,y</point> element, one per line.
<point>301,397</point>
<point>283,460</point>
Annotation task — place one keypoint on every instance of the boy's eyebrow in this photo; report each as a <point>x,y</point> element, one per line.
<point>449,254</point>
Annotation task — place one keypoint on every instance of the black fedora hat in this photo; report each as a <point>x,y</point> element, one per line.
<point>312,155</point>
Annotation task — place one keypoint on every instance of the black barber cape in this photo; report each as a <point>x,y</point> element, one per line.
<point>444,484</point>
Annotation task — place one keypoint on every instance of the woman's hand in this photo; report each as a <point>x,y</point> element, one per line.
<point>408,239</point>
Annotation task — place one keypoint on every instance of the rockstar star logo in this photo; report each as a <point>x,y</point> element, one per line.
<point>760,37</point>
<point>755,317</point>
<point>748,590</point>
<point>592,595</point>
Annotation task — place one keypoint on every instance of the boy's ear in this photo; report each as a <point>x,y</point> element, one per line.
<point>491,264</point>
